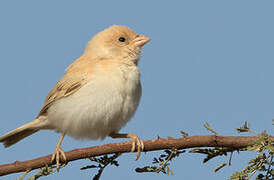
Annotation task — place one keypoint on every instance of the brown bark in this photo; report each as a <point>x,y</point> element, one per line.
<point>236,142</point>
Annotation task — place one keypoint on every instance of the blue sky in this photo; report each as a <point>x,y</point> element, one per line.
<point>207,61</point>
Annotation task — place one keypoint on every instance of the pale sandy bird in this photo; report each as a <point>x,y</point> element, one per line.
<point>97,96</point>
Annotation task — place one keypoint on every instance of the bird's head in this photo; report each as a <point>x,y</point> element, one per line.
<point>117,42</point>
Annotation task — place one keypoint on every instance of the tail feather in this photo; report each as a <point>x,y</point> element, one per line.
<point>12,139</point>
<point>20,133</point>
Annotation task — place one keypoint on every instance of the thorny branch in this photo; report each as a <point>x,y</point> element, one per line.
<point>235,142</point>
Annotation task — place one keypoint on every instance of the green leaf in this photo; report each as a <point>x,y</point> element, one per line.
<point>207,126</point>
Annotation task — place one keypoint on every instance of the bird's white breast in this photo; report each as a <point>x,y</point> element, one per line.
<point>102,106</point>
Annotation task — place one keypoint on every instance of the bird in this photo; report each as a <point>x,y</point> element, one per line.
<point>98,94</point>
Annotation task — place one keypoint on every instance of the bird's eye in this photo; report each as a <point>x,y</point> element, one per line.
<point>122,39</point>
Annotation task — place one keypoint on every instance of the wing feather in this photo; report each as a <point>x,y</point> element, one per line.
<point>77,75</point>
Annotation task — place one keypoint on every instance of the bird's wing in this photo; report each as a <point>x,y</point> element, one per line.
<point>71,82</point>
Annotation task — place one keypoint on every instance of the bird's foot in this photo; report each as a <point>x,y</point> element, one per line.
<point>137,144</point>
<point>56,156</point>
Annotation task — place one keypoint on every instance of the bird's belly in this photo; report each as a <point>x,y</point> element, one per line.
<point>93,112</point>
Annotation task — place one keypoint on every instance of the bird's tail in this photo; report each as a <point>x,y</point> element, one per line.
<point>20,133</point>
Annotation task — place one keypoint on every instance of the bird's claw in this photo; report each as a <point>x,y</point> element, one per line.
<point>56,156</point>
<point>136,141</point>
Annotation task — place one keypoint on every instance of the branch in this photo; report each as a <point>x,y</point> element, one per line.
<point>236,142</point>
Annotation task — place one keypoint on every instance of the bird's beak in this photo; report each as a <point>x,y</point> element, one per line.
<point>140,40</point>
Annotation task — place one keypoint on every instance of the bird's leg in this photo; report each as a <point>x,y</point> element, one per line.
<point>56,155</point>
<point>135,141</point>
